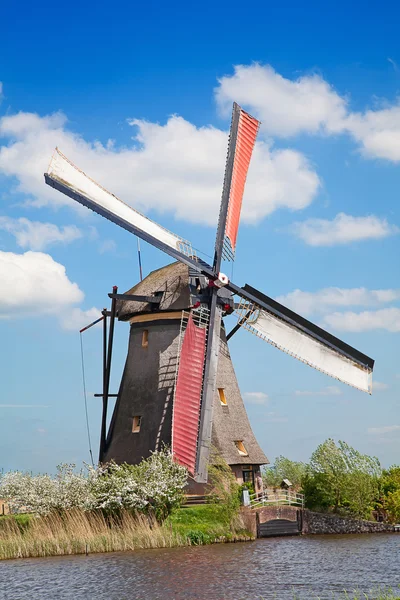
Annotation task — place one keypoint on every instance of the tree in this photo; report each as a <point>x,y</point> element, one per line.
<point>284,468</point>
<point>390,493</point>
<point>340,476</point>
<point>392,506</point>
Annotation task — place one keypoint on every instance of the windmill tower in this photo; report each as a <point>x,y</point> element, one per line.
<point>158,401</point>
<point>178,374</point>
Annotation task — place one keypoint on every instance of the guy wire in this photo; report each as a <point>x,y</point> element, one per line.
<point>85,397</point>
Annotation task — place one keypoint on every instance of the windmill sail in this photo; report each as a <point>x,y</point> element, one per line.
<point>241,142</point>
<point>244,129</point>
<point>67,178</point>
<point>188,389</point>
<point>291,333</point>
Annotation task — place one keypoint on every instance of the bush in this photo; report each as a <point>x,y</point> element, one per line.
<point>223,484</point>
<point>154,486</point>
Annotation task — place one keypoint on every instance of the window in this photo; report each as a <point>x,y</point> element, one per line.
<point>241,449</point>
<point>222,396</point>
<point>145,338</point>
<point>137,421</point>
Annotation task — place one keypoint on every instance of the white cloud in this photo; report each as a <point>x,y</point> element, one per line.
<point>329,390</point>
<point>76,318</point>
<point>34,284</point>
<point>383,430</point>
<point>309,104</point>
<point>325,299</point>
<point>343,229</point>
<point>285,107</point>
<point>273,417</point>
<point>36,235</point>
<point>107,246</point>
<point>379,386</point>
<point>378,132</point>
<point>386,318</point>
<point>188,163</point>
<point>255,397</point>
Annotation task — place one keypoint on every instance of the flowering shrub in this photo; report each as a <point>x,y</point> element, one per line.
<point>155,485</point>
<point>42,494</point>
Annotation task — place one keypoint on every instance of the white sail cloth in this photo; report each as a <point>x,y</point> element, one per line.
<point>310,351</point>
<point>63,170</point>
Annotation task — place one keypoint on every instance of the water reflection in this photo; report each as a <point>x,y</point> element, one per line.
<point>269,568</point>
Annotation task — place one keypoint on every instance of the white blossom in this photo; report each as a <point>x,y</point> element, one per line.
<point>156,484</point>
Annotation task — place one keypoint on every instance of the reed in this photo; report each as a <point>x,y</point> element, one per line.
<point>79,532</point>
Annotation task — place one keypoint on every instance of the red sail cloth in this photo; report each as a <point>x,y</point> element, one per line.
<point>246,138</point>
<point>189,383</point>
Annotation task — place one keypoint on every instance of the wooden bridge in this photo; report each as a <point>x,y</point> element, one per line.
<point>278,520</point>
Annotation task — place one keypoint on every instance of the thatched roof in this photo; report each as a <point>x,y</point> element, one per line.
<point>172,280</point>
<point>230,422</point>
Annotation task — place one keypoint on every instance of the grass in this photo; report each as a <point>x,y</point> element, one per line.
<point>207,523</point>
<point>77,532</point>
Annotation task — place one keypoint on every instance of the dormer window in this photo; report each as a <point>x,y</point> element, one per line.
<point>240,448</point>
<point>222,397</point>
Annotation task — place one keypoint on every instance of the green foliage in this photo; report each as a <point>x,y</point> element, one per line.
<point>224,488</point>
<point>201,524</point>
<point>198,538</point>
<point>340,477</point>
<point>283,468</point>
<point>245,486</point>
<point>392,505</point>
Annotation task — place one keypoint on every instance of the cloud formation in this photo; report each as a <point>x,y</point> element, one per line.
<point>309,104</point>
<point>343,229</point>
<point>255,397</point>
<point>189,163</point>
<point>383,430</point>
<point>76,319</point>
<point>329,390</point>
<point>321,301</point>
<point>387,319</point>
<point>34,285</point>
<point>36,235</point>
<point>286,107</point>
<point>379,386</point>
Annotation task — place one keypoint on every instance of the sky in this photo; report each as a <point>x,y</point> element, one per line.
<point>139,96</point>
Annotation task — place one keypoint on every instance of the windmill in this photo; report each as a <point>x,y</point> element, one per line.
<point>202,294</point>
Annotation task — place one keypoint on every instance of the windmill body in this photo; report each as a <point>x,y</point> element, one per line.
<point>144,414</point>
<point>176,318</point>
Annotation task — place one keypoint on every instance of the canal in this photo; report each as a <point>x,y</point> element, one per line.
<point>281,568</point>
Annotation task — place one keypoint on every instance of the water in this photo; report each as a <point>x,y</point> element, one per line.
<point>270,568</point>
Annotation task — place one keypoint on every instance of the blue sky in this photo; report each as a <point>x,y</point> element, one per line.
<point>139,96</point>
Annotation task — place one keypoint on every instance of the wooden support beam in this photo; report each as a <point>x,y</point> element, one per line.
<point>134,298</point>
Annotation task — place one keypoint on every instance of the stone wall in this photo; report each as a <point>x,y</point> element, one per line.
<point>314,523</point>
<point>311,522</point>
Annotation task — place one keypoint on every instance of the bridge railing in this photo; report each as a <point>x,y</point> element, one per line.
<point>277,498</point>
